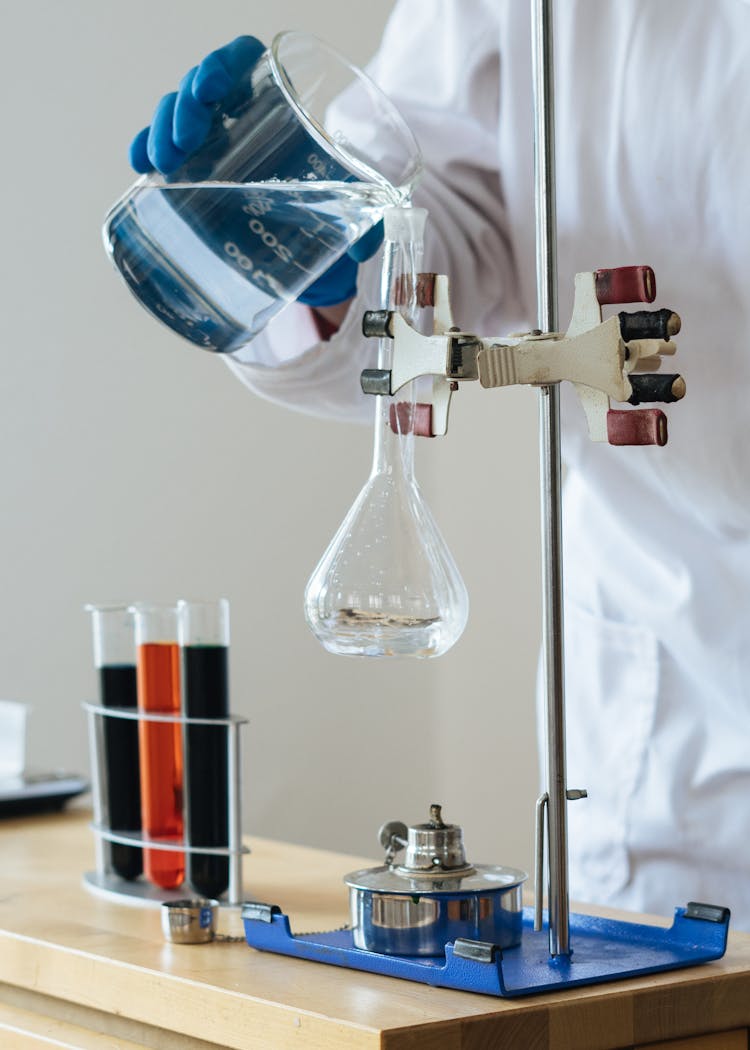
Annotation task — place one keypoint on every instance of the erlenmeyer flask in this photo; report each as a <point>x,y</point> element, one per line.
<point>387,585</point>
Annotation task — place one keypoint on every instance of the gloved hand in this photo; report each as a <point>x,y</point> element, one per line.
<point>180,126</point>
<point>183,118</point>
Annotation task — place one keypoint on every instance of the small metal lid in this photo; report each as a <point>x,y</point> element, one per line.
<point>189,921</point>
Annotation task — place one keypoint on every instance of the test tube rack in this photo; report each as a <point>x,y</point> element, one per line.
<point>103,881</point>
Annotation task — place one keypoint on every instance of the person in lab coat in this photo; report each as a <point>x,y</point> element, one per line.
<point>653,117</point>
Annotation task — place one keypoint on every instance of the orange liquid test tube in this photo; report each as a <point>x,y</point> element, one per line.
<point>158,672</point>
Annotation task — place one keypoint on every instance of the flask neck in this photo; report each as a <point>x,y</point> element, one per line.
<point>393,452</point>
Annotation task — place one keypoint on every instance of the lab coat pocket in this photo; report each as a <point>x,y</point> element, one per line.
<point>611,687</point>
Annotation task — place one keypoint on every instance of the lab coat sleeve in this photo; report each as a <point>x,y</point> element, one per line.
<point>439,63</point>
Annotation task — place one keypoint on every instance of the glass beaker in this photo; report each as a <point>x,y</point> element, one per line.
<point>283,185</point>
<point>204,641</point>
<point>113,631</point>
<point>158,676</point>
<point>387,585</point>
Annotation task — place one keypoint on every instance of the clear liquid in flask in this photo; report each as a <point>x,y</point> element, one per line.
<point>387,584</point>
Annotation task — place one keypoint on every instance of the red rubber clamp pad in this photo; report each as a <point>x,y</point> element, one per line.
<point>625,284</point>
<point>643,426</point>
<point>402,289</point>
<point>406,418</point>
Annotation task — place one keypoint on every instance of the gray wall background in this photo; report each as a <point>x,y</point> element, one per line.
<point>135,466</point>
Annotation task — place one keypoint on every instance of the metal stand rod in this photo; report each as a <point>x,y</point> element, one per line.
<point>96,751</point>
<point>234,766</point>
<point>549,426</point>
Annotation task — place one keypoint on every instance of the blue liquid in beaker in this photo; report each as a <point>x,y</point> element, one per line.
<point>216,261</point>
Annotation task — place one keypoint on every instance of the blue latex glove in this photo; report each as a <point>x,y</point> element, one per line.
<point>183,118</point>
<point>181,123</point>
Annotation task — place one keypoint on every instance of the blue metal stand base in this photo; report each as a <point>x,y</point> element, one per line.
<point>602,950</point>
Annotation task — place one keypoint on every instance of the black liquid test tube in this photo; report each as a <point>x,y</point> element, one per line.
<point>114,657</point>
<point>204,641</point>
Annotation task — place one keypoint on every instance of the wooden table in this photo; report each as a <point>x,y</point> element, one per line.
<point>80,971</point>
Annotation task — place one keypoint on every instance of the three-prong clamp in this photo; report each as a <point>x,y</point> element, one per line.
<point>614,359</point>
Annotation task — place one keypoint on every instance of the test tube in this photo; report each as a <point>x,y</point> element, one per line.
<point>204,640</point>
<point>113,632</point>
<point>158,663</point>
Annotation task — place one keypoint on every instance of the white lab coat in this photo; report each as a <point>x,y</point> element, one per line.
<point>653,124</point>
